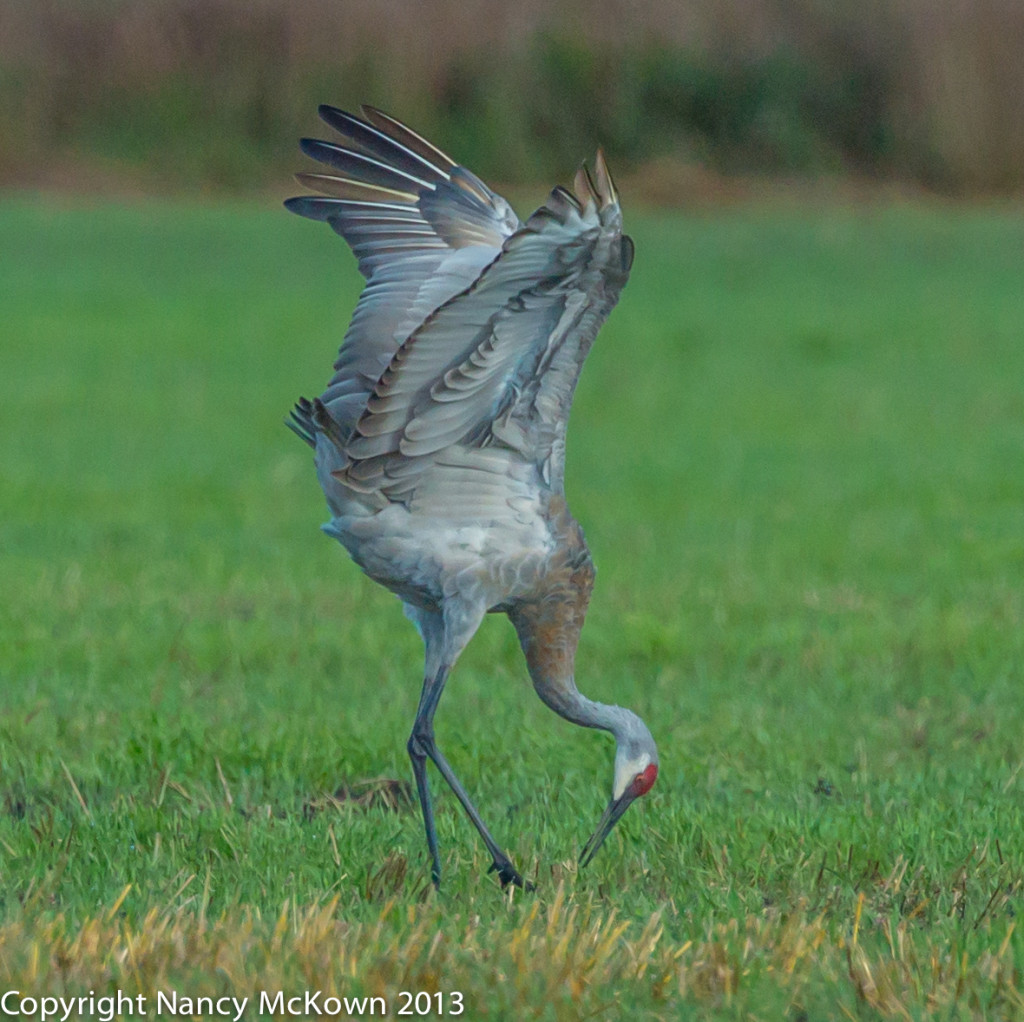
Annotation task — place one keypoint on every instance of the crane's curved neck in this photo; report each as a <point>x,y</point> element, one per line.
<point>548,632</point>
<point>567,701</point>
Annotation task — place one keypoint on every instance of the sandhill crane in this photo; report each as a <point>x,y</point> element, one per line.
<point>440,440</point>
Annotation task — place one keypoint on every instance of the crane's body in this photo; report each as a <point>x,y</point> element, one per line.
<point>440,440</point>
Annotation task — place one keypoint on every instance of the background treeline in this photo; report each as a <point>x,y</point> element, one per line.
<point>212,93</point>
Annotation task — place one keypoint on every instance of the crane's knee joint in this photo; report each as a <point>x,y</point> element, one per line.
<point>420,743</point>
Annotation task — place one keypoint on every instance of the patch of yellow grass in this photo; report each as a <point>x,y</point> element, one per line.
<point>534,956</point>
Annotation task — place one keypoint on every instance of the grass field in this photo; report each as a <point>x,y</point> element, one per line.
<point>798,453</point>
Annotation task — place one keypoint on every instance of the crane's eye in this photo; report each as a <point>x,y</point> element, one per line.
<point>644,781</point>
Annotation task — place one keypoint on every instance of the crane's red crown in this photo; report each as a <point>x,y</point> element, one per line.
<point>645,781</point>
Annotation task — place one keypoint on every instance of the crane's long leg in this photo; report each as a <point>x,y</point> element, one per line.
<point>422,746</point>
<point>418,755</point>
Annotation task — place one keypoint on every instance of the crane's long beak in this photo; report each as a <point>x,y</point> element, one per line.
<point>611,816</point>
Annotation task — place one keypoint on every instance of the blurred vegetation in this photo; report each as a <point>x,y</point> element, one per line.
<point>186,93</point>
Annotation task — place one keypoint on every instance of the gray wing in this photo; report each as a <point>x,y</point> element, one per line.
<point>421,227</point>
<point>497,364</point>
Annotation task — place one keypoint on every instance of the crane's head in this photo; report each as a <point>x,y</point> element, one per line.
<point>636,769</point>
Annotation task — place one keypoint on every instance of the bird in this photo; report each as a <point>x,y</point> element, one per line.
<point>439,442</point>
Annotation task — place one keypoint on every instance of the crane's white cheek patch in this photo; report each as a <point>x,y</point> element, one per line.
<point>645,781</point>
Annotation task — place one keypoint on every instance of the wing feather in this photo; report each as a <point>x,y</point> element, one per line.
<point>421,227</point>
<point>498,362</point>
<point>466,344</point>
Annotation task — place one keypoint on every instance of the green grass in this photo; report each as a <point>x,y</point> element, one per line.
<point>798,453</point>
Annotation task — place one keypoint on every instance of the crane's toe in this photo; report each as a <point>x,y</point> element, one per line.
<point>508,874</point>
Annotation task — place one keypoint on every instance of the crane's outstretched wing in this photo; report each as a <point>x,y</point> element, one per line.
<point>421,227</point>
<point>498,363</point>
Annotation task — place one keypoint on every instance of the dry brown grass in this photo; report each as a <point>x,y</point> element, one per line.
<point>528,957</point>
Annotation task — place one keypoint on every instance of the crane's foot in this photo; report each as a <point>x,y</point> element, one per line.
<point>508,874</point>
